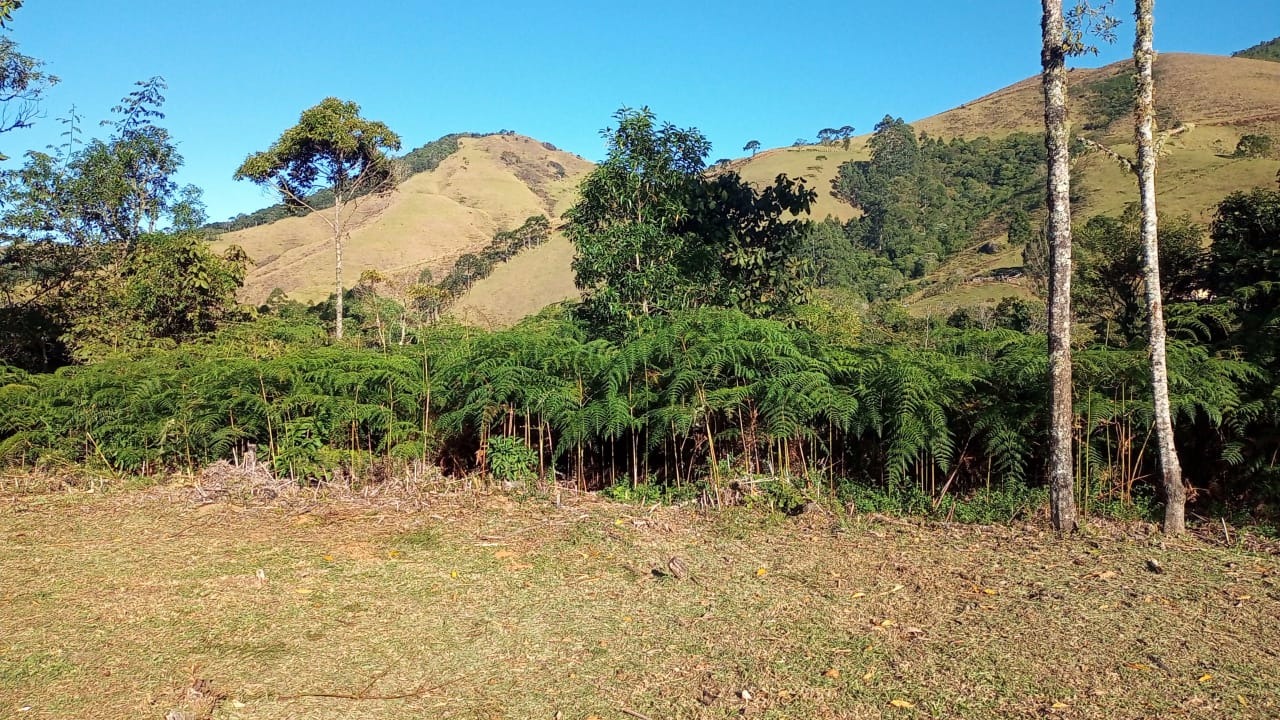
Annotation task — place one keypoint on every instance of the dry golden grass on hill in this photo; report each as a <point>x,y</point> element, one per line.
<point>521,287</point>
<point>817,165</point>
<point>494,183</point>
<point>1204,89</point>
<point>491,184</point>
<point>131,604</point>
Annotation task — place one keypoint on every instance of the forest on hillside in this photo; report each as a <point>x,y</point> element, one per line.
<point>725,347</point>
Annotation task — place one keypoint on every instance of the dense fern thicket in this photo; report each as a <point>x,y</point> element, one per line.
<point>422,159</point>
<point>706,399</point>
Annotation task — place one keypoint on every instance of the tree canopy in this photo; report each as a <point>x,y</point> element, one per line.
<point>654,234</point>
<point>330,147</point>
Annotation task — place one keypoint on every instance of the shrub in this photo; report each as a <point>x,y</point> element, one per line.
<point>1254,146</point>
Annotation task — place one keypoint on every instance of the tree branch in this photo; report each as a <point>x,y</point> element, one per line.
<point>1124,162</point>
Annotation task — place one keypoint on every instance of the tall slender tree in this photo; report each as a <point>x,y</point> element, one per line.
<point>1053,60</point>
<point>331,148</point>
<point>1062,35</point>
<point>1144,121</point>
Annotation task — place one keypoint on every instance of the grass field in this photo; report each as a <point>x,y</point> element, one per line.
<point>141,603</point>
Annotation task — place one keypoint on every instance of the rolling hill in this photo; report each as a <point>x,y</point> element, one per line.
<point>492,183</point>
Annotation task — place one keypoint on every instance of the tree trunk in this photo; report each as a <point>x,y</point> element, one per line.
<point>1144,120</point>
<point>1062,503</point>
<point>337,265</point>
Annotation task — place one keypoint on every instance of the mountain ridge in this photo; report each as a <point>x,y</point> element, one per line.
<point>438,215</point>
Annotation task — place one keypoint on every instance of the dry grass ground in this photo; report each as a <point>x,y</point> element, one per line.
<point>145,603</point>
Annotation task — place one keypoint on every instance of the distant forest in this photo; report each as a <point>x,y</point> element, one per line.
<point>1269,50</point>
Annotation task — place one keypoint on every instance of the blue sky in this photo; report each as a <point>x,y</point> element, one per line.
<point>239,71</point>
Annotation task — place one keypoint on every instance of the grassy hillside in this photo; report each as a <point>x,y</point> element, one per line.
<point>815,164</point>
<point>492,183</point>
<point>521,286</point>
<point>1224,98</point>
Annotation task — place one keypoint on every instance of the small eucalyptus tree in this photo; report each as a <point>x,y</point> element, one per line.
<point>331,148</point>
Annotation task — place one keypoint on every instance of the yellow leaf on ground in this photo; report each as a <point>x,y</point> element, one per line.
<point>859,595</point>
<point>1205,678</point>
<point>989,591</point>
<point>1059,706</point>
<point>1243,702</point>
<point>760,572</point>
<point>833,673</point>
<point>1107,575</point>
<point>1138,666</point>
<point>901,704</point>
<point>868,675</point>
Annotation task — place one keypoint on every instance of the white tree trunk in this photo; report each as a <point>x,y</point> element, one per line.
<point>1062,503</point>
<point>1144,120</point>
<point>337,264</point>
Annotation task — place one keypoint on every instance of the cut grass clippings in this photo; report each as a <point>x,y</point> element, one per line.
<point>140,603</point>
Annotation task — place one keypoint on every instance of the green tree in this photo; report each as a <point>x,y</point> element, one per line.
<point>654,235</point>
<point>1254,146</point>
<point>170,289</point>
<point>23,79</point>
<point>1244,268</point>
<point>75,219</point>
<point>331,147</point>
<point>1109,274</point>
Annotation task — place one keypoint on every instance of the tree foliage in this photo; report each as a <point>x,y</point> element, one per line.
<point>330,148</point>
<point>88,236</point>
<point>925,199</point>
<point>1109,277</point>
<point>655,235</point>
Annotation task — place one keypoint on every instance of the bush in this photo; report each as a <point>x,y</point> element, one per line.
<point>511,460</point>
<point>1254,146</point>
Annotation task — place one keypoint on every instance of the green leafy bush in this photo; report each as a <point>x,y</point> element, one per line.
<point>511,460</point>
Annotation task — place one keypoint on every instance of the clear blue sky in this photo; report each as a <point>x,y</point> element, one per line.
<point>240,71</point>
